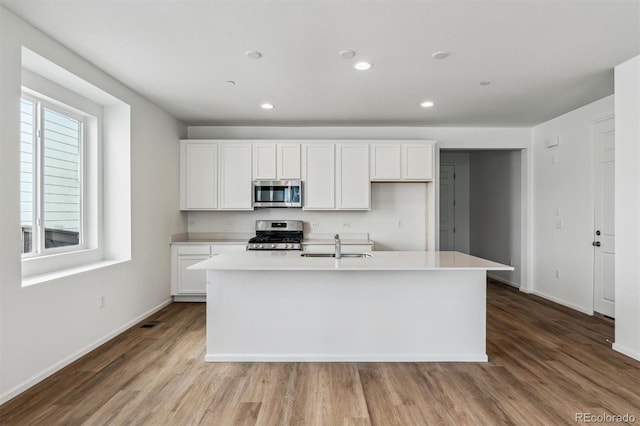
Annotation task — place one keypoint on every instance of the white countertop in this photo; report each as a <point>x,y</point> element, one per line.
<point>381,261</point>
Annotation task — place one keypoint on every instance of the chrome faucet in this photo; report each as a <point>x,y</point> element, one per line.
<point>338,253</point>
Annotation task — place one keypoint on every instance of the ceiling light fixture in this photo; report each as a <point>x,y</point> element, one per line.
<point>441,54</point>
<point>347,54</point>
<point>485,83</point>
<point>362,66</point>
<point>266,105</point>
<point>253,54</point>
<point>427,104</point>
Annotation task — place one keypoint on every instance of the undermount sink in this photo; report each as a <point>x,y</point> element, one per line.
<point>333,255</point>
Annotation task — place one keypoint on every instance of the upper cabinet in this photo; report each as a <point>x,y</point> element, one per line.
<point>319,176</point>
<point>402,161</point>
<point>353,187</point>
<point>198,175</point>
<point>336,176</point>
<point>276,161</point>
<point>215,175</point>
<point>235,176</point>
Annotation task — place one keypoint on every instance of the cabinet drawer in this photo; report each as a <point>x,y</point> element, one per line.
<point>194,249</point>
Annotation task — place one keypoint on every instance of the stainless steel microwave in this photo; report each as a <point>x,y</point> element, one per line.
<point>277,193</point>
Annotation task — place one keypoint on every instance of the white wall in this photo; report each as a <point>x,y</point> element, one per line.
<point>495,210</point>
<point>565,184</point>
<point>44,326</point>
<point>460,159</point>
<point>396,221</point>
<point>627,208</point>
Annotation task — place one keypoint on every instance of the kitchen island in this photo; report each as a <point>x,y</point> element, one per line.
<point>394,306</point>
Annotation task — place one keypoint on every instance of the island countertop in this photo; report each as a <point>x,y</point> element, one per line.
<point>380,261</point>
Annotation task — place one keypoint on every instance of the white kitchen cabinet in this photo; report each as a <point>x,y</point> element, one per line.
<point>402,161</point>
<point>319,176</point>
<point>386,162</point>
<point>235,176</point>
<point>276,161</point>
<point>188,285</point>
<point>288,164</point>
<point>264,161</point>
<point>417,162</point>
<point>198,175</point>
<point>353,187</point>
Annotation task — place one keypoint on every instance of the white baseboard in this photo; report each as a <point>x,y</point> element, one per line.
<point>563,303</point>
<point>626,351</point>
<point>17,390</point>
<point>202,298</point>
<point>342,358</point>
<point>503,280</point>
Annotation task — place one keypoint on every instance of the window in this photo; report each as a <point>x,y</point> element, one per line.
<point>51,177</point>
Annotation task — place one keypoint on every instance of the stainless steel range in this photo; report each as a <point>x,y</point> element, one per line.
<point>277,235</point>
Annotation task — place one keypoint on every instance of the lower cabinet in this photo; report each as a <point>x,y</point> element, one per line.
<point>191,286</point>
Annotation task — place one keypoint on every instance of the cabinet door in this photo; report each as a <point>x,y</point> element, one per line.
<point>235,176</point>
<point>289,161</point>
<point>264,161</point>
<point>353,187</point>
<point>191,282</point>
<point>386,164</point>
<point>418,161</point>
<point>319,176</point>
<point>198,176</point>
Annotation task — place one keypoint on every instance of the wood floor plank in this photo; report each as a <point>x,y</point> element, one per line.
<point>546,363</point>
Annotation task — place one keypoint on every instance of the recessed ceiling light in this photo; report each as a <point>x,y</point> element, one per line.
<point>266,105</point>
<point>362,66</point>
<point>253,54</point>
<point>441,54</point>
<point>485,83</point>
<point>230,82</point>
<point>347,54</point>
<point>427,104</point>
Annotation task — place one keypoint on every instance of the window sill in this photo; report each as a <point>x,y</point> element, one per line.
<point>62,273</point>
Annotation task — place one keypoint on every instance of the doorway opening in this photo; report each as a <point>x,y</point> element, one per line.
<point>481,207</point>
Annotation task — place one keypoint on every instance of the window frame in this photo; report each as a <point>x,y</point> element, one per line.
<point>41,103</point>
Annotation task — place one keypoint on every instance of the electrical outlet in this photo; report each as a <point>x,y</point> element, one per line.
<point>557,274</point>
<point>558,223</point>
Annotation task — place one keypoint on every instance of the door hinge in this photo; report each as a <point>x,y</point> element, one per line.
<point>454,229</point>
<point>454,175</point>
<point>454,202</point>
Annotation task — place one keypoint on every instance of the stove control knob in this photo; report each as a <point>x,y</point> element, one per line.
<point>259,245</point>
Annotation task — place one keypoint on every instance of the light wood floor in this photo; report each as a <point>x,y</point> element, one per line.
<point>546,363</point>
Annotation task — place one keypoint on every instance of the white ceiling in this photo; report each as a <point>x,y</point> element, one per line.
<point>543,57</point>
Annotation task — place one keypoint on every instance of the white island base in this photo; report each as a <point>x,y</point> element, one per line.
<point>376,309</point>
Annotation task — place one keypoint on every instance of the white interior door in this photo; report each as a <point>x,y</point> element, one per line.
<point>603,238</point>
<point>447,207</point>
